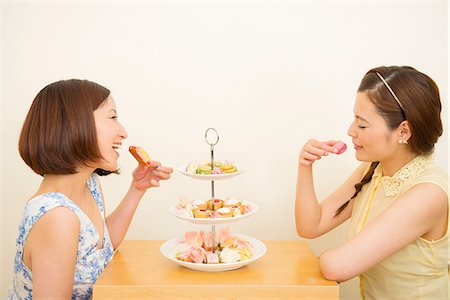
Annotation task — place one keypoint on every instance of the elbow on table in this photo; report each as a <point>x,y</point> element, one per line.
<point>332,269</point>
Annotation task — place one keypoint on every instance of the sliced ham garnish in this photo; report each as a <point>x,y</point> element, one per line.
<point>212,258</point>
<point>194,239</point>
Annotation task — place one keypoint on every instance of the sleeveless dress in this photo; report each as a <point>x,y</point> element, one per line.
<point>418,271</point>
<point>90,260</point>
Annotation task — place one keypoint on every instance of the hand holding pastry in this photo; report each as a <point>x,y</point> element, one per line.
<point>149,172</point>
<point>314,150</point>
<point>147,177</point>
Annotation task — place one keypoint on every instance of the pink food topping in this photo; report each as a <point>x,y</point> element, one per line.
<point>212,258</point>
<point>197,255</point>
<point>340,147</point>
<point>193,239</point>
<point>216,171</point>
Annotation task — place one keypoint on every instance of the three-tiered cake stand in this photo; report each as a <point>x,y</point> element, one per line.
<point>258,247</point>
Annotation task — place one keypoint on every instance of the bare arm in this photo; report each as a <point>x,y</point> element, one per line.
<point>314,219</point>
<point>50,252</point>
<point>119,220</point>
<point>404,222</point>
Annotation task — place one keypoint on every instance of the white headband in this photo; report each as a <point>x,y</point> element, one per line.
<point>392,92</point>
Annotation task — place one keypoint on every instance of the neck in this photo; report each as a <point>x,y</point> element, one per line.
<point>72,186</point>
<point>392,165</point>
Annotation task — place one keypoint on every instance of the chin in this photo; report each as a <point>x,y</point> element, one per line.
<point>364,158</point>
<point>111,167</point>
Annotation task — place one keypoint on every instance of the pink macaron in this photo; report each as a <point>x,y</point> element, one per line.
<point>340,147</point>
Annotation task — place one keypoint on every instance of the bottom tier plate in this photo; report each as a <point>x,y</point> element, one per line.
<point>259,249</point>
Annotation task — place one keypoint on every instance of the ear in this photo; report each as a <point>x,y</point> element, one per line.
<point>404,131</point>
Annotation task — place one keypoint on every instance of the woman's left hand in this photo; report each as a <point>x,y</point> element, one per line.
<point>147,177</point>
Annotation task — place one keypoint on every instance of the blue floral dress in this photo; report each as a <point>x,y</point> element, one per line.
<point>90,260</point>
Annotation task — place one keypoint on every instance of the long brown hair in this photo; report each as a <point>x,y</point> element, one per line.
<point>421,107</point>
<point>58,134</point>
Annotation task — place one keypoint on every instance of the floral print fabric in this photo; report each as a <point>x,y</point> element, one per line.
<point>90,259</point>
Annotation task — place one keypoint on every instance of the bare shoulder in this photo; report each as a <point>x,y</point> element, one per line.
<point>426,205</point>
<point>58,226</point>
<point>60,217</point>
<point>430,197</point>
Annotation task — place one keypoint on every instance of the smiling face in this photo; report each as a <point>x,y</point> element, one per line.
<point>371,137</point>
<point>110,134</point>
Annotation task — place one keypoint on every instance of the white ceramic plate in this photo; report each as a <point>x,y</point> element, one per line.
<point>182,170</point>
<point>253,209</point>
<point>259,249</point>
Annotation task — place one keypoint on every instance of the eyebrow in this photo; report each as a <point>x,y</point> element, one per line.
<point>361,118</point>
<point>113,110</point>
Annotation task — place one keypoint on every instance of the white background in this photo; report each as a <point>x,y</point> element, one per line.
<point>267,75</point>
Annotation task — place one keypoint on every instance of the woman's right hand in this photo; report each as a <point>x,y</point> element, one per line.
<point>314,150</point>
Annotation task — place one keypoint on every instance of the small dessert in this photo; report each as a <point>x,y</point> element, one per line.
<point>194,255</point>
<point>237,210</point>
<point>225,212</point>
<point>212,258</point>
<point>214,204</point>
<point>228,168</point>
<point>231,202</point>
<point>245,253</point>
<point>207,241</point>
<point>198,204</point>
<point>340,147</point>
<point>140,155</point>
<point>229,255</point>
<point>197,248</point>
<point>191,168</point>
<point>201,213</point>
<point>204,169</point>
<point>236,206</point>
<point>216,163</point>
<point>217,168</point>
<point>211,209</point>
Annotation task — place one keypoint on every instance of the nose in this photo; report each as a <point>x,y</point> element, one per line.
<point>351,130</point>
<point>122,132</point>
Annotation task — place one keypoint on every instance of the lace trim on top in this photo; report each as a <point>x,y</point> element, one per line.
<point>392,184</point>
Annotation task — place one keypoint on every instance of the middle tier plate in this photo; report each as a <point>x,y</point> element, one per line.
<point>252,209</point>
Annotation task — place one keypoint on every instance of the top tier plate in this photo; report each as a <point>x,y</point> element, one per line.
<point>182,170</point>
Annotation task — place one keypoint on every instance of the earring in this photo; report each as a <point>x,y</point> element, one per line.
<point>401,141</point>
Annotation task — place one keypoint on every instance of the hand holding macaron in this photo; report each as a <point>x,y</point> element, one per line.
<point>339,148</point>
<point>314,150</point>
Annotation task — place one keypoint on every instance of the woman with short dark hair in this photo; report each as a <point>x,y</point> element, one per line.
<point>70,136</point>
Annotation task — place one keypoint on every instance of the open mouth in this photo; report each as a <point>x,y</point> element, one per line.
<point>117,146</point>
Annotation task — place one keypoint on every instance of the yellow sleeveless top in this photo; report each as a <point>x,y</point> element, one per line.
<point>418,271</point>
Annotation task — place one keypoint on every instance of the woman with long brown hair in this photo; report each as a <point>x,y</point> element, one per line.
<point>396,200</point>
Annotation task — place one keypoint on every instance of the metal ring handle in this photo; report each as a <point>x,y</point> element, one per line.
<point>210,140</point>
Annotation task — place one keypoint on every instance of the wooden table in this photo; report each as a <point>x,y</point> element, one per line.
<point>288,270</point>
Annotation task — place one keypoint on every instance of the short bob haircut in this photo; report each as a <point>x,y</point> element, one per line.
<point>59,134</point>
